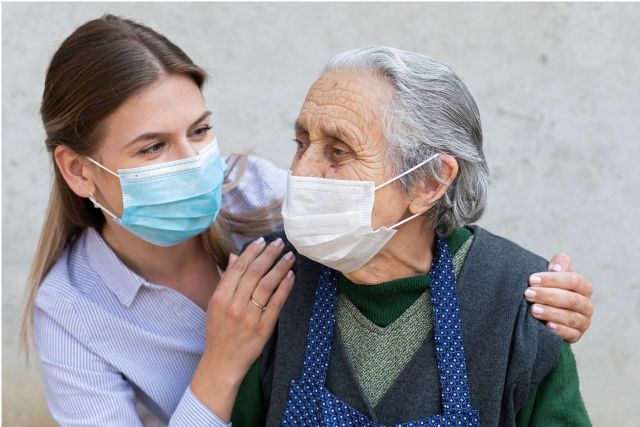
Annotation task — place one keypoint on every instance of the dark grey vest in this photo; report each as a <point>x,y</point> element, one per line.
<point>507,351</point>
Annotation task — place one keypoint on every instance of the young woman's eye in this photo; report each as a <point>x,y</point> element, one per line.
<point>202,131</point>
<point>153,149</point>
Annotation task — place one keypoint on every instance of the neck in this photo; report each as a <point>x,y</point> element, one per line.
<point>157,264</point>
<point>408,253</point>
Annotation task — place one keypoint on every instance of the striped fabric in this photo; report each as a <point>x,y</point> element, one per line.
<point>116,350</point>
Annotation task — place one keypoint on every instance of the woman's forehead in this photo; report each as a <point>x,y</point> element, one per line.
<point>167,106</point>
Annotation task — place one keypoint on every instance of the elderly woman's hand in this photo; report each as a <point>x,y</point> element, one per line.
<point>562,298</point>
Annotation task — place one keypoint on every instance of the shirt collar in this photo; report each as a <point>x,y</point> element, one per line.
<point>123,282</point>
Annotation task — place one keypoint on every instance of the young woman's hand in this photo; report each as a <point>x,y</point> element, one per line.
<point>241,316</point>
<point>562,298</point>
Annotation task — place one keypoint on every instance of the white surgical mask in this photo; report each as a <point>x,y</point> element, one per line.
<point>329,220</point>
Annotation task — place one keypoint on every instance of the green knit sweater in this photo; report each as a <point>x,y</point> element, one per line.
<point>551,404</point>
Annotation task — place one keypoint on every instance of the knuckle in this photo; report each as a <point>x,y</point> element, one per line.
<point>240,265</point>
<point>574,300</point>
<point>573,336</point>
<point>266,283</point>
<point>217,299</point>
<point>574,280</point>
<point>234,312</point>
<point>574,320</point>
<point>263,329</point>
<point>249,325</point>
<point>254,269</point>
<point>588,288</point>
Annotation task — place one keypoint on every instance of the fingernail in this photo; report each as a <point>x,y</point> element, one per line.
<point>552,326</point>
<point>556,267</point>
<point>290,274</point>
<point>259,241</point>
<point>535,280</point>
<point>278,243</point>
<point>537,310</point>
<point>530,293</point>
<point>288,256</point>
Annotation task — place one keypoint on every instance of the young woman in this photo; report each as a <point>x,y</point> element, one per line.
<point>129,303</point>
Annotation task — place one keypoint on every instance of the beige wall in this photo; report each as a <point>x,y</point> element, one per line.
<point>557,86</point>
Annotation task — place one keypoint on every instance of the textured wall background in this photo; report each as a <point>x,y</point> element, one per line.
<point>557,86</point>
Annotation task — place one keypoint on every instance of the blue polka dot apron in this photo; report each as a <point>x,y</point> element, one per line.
<point>310,403</point>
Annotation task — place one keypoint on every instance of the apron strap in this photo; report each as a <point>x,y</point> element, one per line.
<point>321,325</point>
<point>452,368</point>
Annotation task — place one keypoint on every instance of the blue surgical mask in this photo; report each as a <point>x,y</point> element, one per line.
<point>168,203</point>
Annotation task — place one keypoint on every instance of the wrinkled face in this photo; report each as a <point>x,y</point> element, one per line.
<point>339,136</point>
<point>165,121</point>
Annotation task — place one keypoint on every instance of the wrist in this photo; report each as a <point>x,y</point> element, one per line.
<point>216,386</point>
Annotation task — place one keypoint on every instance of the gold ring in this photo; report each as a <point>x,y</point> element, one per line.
<point>257,304</point>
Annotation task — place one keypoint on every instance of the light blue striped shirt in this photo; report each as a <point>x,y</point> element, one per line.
<point>116,350</point>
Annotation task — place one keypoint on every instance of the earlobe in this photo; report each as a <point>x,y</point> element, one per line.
<point>73,169</point>
<point>431,190</point>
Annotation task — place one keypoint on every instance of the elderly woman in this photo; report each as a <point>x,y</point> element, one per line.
<point>402,313</point>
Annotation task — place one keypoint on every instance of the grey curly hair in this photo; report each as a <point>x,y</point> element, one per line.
<point>432,112</point>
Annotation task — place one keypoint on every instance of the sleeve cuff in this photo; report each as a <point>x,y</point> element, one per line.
<point>192,412</point>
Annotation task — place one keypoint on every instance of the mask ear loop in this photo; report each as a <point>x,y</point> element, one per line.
<point>398,224</point>
<point>407,172</point>
<point>102,167</point>
<point>99,206</point>
<point>93,199</point>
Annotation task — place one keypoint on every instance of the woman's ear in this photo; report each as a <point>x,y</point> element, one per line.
<point>75,170</point>
<point>426,193</point>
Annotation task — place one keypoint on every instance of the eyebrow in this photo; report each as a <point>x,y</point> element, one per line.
<point>155,135</point>
<point>297,126</point>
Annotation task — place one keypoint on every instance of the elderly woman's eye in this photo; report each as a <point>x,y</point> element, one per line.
<point>299,144</point>
<point>340,150</point>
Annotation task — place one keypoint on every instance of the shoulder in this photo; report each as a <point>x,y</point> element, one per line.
<point>503,255</point>
<point>60,295</point>
<point>502,266</point>
<point>254,183</point>
<point>70,276</point>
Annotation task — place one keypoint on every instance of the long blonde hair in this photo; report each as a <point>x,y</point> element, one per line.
<point>100,65</point>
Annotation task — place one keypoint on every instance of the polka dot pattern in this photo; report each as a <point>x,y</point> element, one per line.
<point>310,403</point>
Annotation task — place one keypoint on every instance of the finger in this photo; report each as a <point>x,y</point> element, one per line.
<point>256,270</point>
<point>267,285</point>
<point>231,277</point>
<point>569,281</point>
<point>560,298</point>
<point>560,316</point>
<point>279,297</point>
<point>568,334</point>
<point>560,262</point>
<point>232,258</point>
